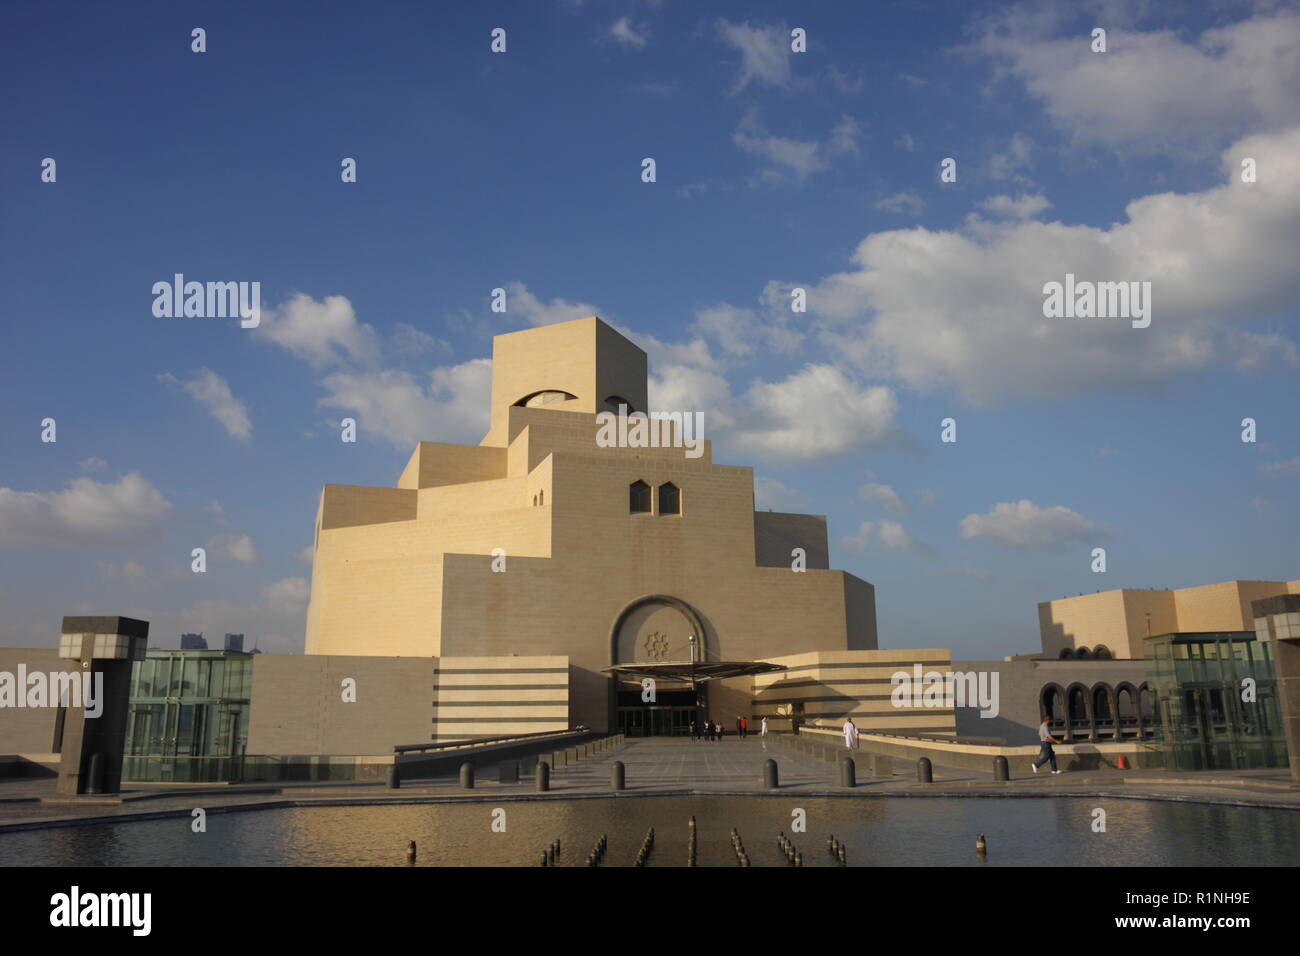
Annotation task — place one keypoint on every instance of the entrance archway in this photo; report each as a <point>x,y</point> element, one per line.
<point>656,628</point>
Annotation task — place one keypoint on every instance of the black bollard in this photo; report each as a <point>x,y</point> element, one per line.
<point>394,777</point>
<point>769,774</point>
<point>617,777</point>
<point>95,776</point>
<point>467,776</point>
<point>924,771</point>
<point>543,775</point>
<point>1001,771</point>
<point>848,772</point>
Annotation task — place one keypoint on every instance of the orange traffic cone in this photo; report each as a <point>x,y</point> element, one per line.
<point>1120,763</point>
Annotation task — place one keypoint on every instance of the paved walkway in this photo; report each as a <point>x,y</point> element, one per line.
<point>654,767</point>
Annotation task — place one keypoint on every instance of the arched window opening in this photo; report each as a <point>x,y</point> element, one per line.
<point>545,397</point>
<point>614,401</point>
<point>639,498</point>
<point>1067,653</point>
<point>670,499</point>
<point>1102,653</point>
<point>1083,653</point>
<point>541,498</point>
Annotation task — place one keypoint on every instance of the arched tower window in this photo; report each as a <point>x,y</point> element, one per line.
<point>639,497</point>
<point>670,499</point>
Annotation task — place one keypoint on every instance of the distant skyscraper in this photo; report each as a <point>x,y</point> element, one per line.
<point>193,642</point>
<point>235,642</point>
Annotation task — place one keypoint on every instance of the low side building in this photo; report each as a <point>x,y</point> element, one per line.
<point>1113,624</point>
<point>1087,700</point>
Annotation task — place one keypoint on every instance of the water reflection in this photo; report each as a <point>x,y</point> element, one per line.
<point>877,832</point>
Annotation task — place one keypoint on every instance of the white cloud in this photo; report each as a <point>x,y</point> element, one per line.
<point>409,340</point>
<point>772,495</point>
<point>1025,525</point>
<point>86,513</point>
<point>323,333</point>
<point>235,547</point>
<point>889,534</point>
<point>764,54</point>
<point>793,157</point>
<point>396,406</point>
<point>1007,165</point>
<point>1153,89</point>
<point>1291,467</point>
<point>521,302</point>
<point>1022,207</point>
<point>904,202</point>
<point>626,33</point>
<point>130,570</point>
<point>743,332</point>
<point>213,393</point>
<point>287,592</point>
<point>306,555</point>
<point>962,309</point>
<point>92,464</point>
<point>815,412</point>
<point>885,496</point>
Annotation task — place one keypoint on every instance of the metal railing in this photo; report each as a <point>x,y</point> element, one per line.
<point>482,741</point>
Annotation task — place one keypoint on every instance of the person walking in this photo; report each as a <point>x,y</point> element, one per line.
<point>850,734</point>
<point>763,728</point>
<point>695,731</point>
<point>1045,740</point>
<point>739,733</point>
<point>744,728</point>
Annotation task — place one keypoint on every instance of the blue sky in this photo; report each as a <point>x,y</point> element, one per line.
<point>774,170</point>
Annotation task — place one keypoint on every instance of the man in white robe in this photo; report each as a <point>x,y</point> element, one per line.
<point>850,734</point>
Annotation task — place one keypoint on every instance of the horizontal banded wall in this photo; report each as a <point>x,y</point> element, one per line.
<point>831,685</point>
<point>496,696</point>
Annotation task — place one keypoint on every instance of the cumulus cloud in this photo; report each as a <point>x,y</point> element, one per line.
<point>520,302</point>
<point>1022,207</point>
<point>398,407</point>
<point>744,332</point>
<point>213,393</point>
<point>235,547</point>
<point>885,496</point>
<point>889,535</point>
<point>1025,525</point>
<point>904,202</point>
<point>323,333</point>
<point>130,570</point>
<point>1155,89</point>
<point>86,513</point>
<point>772,495</point>
<point>815,412</point>
<point>764,54</point>
<point>962,308</point>
<point>794,158</point>
<point>625,32</point>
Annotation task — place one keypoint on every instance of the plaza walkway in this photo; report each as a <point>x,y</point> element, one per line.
<point>653,767</point>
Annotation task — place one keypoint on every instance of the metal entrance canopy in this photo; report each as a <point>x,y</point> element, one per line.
<point>692,672</point>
